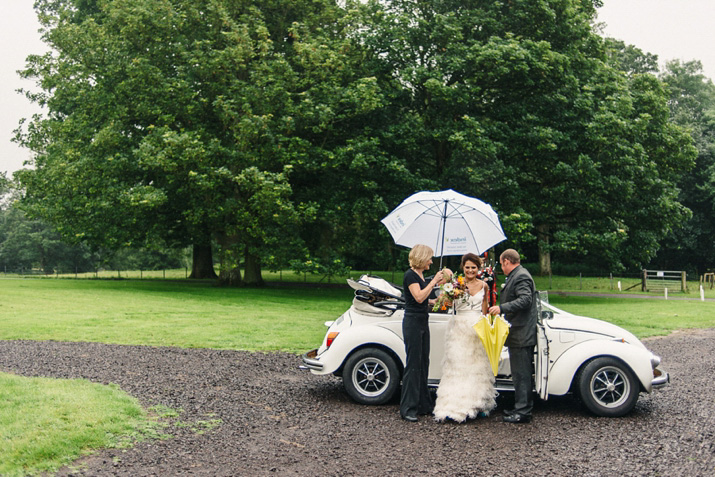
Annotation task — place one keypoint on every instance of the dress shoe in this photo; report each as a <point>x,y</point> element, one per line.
<point>516,419</point>
<point>508,412</point>
<point>410,418</point>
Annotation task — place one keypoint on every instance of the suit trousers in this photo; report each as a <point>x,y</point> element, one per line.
<point>521,360</point>
<point>416,397</point>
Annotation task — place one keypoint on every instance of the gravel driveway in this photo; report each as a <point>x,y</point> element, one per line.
<point>279,420</point>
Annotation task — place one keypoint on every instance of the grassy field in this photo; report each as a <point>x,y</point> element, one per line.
<point>194,314</point>
<point>168,313</point>
<point>47,423</point>
<point>629,285</point>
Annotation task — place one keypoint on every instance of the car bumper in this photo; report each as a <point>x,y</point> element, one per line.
<point>310,361</point>
<point>660,378</point>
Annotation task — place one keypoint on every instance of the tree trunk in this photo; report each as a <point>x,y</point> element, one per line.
<point>544,253</point>
<point>230,277</point>
<point>229,267</point>
<point>252,272</point>
<point>203,264</point>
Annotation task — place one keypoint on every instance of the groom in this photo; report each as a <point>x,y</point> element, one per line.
<point>519,308</point>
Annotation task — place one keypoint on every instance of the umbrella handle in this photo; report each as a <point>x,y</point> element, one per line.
<point>444,228</point>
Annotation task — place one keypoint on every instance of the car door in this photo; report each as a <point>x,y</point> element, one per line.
<point>437,331</point>
<point>541,360</point>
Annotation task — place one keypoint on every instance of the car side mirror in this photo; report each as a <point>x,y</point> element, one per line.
<point>547,315</point>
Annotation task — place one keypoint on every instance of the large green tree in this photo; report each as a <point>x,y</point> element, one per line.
<point>515,102</point>
<point>182,122</point>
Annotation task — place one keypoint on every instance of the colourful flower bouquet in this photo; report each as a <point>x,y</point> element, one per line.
<point>455,289</point>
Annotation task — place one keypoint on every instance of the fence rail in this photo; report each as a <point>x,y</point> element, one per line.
<point>654,280</point>
<point>99,273</point>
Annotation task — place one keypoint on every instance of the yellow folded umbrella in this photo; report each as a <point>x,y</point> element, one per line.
<point>492,330</point>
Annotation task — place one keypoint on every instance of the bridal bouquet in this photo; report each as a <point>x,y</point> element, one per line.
<point>451,291</point>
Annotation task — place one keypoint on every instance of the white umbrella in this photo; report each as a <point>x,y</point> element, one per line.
<point>449,222</point>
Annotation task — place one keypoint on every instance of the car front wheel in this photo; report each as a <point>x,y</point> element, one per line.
<point>607,387</point>
<point>371,376</point>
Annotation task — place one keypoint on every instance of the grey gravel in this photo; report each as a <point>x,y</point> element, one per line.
<point>279,420</point>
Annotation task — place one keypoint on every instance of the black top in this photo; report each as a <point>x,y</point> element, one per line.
<point>411,305</point>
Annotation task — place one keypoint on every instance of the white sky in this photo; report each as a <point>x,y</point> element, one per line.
<point>18,38</point>
<point>671,29</point>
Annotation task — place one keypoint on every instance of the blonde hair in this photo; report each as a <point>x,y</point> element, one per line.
<point>420,255</point>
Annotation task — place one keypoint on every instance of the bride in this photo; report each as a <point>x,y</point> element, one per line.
<point>467,385</point>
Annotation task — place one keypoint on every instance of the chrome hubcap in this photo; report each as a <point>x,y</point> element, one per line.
<point>370,376</point>
<point>609,387</point>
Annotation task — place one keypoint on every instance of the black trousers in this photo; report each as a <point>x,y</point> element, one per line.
<point>521,360</point>
<point>415,397</point>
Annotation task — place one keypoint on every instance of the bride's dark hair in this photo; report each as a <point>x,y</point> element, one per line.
<point>471,257</point>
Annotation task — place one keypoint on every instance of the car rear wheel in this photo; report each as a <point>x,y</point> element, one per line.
<point>607,387</point>
<point>371,376</point>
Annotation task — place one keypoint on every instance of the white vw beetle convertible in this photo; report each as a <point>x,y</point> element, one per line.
<point>604,365</point>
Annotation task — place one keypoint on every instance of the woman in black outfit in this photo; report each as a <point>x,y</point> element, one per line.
<point>416,398</point>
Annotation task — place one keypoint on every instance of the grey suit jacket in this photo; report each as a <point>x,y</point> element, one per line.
<point>518,304</point>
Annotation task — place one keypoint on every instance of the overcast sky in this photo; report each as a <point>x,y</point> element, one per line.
<point>671,29</point>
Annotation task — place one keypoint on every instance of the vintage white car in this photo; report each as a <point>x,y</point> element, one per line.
<point>604,365</point>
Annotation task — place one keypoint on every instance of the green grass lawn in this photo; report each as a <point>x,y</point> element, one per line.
<point>47,423</point>
<point>168,313</point>
<point>195,314</point>
<point>585,284</point>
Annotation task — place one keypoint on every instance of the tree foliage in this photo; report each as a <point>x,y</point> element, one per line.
<point>692,106</point>
<point>630,59</point>
<point>181,121</point>
<point>28,245</point>
<point>516,103</point>
<point>283,130</point>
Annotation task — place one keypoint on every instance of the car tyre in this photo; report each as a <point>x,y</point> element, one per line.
<point>607,387</point>
<point>371,376</point>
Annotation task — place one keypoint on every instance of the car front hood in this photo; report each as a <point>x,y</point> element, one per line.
<point>581,324</point>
